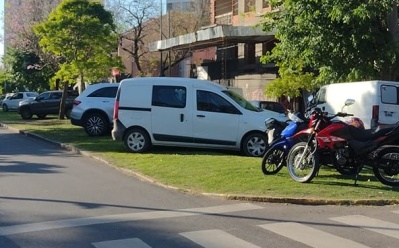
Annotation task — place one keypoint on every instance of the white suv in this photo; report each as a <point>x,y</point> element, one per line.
<point>93,109</point>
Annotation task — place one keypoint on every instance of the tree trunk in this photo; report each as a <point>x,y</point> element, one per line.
<point>63,102</point>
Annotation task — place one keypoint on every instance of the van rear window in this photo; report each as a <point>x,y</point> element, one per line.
<point>389,94</point>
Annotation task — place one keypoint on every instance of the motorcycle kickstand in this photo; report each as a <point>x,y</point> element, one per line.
<point>356,176</point>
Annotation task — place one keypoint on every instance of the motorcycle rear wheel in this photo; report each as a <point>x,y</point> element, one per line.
<point>304,169</point>
<point>386,168</point>
<point>273,160</point>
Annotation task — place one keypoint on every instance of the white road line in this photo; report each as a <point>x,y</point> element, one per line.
<point>122,243</point>
<point>396,212</point>
<point>371,224</point>
<point>310,236</point>
<point>217,239</point>
<point>68,223</point>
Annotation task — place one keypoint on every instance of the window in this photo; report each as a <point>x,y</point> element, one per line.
<point>321,96</point>
<point>44,96</point>
<point>235,7</point>
<point>169,96</point>
<point>389,94</point>
<point>211,102</point>
<point>56,95</point>
<point>29,94</point>
<point>109,92</point>
<point>249,6</point>
<point>265,4</point>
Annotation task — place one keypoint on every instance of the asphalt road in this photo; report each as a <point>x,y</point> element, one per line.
<point>50,197</point>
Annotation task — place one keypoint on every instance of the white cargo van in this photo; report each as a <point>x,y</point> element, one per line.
<point>187,112</point>
<point>376,102</point>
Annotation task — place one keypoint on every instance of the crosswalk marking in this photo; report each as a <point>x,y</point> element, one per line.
<point>122,243</point>
<point>217,239</point>
<point>375,225</point>
<point>310,236</point>
<point>149,215</point>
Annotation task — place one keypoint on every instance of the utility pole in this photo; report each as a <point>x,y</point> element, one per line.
<point>161,74</point>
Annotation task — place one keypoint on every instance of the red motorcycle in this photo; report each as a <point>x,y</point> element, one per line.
<point>346,146</point>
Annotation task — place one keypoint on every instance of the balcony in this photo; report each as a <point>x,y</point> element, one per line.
<point>224,19</point>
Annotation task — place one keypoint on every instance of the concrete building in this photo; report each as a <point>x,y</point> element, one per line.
<point>238,45</point>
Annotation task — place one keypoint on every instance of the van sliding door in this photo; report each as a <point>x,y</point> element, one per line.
<point>171,119</point>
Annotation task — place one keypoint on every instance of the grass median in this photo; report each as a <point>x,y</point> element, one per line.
<point>208,171</point>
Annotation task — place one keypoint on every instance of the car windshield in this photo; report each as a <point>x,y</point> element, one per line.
<point>241,100</point>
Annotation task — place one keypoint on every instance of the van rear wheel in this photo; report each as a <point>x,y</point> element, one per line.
<point>137,140</point>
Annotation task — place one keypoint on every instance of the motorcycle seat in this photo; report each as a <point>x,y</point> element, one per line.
<point>367,134</point>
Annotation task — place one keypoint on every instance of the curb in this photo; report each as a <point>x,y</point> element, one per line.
<point>263,199</point>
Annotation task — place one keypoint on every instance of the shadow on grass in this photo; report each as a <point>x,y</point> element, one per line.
<point>363,181</point>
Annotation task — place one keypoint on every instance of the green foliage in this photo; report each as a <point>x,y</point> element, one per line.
<point>332,41</point>
<point>82,33</point>
<point>25,72</point>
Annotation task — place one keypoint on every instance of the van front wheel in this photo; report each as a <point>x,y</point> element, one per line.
<point>255,145</point>
<point>137,140</point>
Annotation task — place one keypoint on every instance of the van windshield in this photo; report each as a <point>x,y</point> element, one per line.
<point>241,100</point>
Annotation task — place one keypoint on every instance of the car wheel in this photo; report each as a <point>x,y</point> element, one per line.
<point>42,116</point>
<point>254,145</point>
<point>26,113</point>
<point>137,140</point>
<point>95,124</point>
<point>5,108</point>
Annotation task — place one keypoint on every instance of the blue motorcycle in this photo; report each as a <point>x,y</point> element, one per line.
<point>281,137</point>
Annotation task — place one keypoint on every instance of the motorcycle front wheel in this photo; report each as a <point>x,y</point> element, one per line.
<point>302,163</point>
<point>273,160</point>
<point>386,167</point>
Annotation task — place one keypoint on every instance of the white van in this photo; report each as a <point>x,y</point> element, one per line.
<point>376,102</point>
<point>187,112</point>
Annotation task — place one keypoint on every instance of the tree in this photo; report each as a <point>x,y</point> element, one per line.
<point>138,26</point>
<point>323,41</point>
<point>82,33</point>
<point>20,17</point>
<point>24,71</point>
<point>135,23</point>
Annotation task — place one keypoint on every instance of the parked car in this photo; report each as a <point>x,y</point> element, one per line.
<point>11,102</point>
<point>187,112</point>
<point>270,105</point>
<point>93,109</point>
<point>45,104</point>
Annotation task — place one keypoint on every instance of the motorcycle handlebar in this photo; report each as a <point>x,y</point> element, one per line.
<point>340,114</point>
